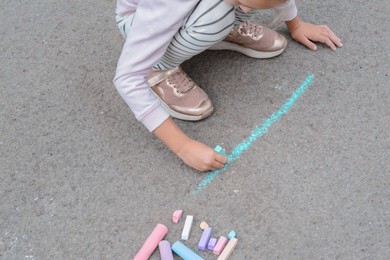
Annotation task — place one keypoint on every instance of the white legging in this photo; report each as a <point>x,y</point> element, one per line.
<point>208,23</point>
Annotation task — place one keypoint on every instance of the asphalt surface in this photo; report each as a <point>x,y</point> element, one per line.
<point>80,178</point>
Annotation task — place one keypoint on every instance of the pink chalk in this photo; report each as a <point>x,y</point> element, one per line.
<point>151,242</point>
<point>222,241</point>
<point>177,215</point>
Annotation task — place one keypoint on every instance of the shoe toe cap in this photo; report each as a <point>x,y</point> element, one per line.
<point>203,107</point>
<point>280,43</point>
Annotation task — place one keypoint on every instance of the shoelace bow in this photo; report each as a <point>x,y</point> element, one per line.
<point>250,28</point>
<point>181,81</point>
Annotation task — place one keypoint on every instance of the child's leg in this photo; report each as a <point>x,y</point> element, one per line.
<point>241,16</point>
<point>124,23</point>
<point>208,23</point>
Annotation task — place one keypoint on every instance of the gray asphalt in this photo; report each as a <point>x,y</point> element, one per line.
<point>80,178</point>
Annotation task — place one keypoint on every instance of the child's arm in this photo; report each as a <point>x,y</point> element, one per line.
<point>193,153</point>
<point>306,33</point>
<point>154,27</point>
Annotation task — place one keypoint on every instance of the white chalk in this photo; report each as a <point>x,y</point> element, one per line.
<point>187,227</point>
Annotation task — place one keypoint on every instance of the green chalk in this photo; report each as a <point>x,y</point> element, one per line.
<point>220,150</point>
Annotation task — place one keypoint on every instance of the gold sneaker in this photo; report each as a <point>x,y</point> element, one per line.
<point>180,95</point>
<point>253,40</point>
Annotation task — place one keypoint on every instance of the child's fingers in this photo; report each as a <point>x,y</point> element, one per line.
<point>220,158</point>
<point>328,42</point>
<point>305,41</point>
<point>217,165</point>
<point>334,37</point>
<point>336,40</point>
<point>328,33</point>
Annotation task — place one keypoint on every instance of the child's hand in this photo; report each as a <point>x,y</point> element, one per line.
<point>200,156</point>
<point>306,33</point>
<point>193,153</point>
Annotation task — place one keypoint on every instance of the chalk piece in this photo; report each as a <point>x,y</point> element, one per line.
<point>204,239</point>
<point>232,234</point>
<point>203,225</point>
<point>165,250</point>
<point>228,249</point>
<point>177,215</point>
<point>221,243</point>
<point>151,242</point>
<point>212,243</point>
<point>187,228</point>
<point>220,150</point>
<point>184,252</point>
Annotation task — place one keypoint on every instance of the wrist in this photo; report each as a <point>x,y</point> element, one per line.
<point>171,135</point>
<point>293,24</point>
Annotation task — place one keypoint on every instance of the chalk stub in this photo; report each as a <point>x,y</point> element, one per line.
<point>221,243</point>
<point>220,150</point>
<point>187,227</point>
<point>177,215</point>
<point>203,225</point>
<point>227,251</point>
<point>232,234</point>
<point>212,243</point>
<point>165,250</point>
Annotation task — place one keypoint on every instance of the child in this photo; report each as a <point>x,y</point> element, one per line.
<point>162,34</point>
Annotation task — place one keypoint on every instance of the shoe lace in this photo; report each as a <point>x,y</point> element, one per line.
<point>251,29</point>
<point>181,81</point>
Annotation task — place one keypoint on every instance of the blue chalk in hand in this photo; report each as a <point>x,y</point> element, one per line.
<point>220,150</point>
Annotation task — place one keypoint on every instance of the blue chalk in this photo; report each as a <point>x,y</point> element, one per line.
<point>184,252</point>
<point>232,234</point>
<point>204,239</point>
<point>220,150</point>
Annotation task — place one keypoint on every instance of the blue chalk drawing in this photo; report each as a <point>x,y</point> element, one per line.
<point>258,132</point>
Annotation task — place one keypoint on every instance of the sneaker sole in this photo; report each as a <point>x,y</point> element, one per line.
<point>181,116</point>
<point>248,52</point>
